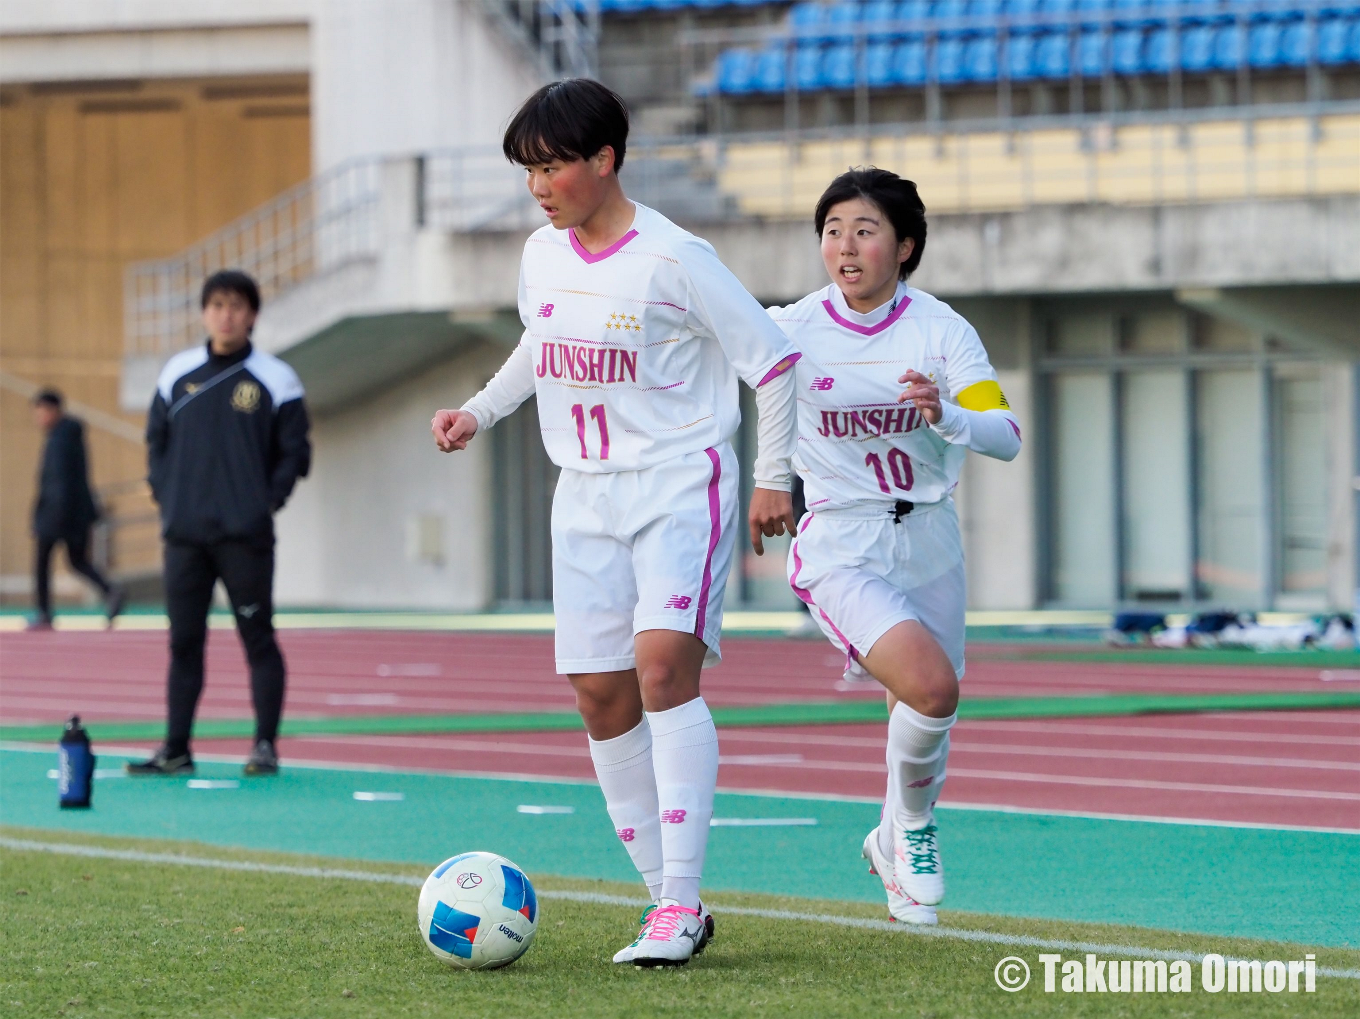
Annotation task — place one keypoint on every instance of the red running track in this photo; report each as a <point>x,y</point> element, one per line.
<point>119,676</point>
<point>1270,768</point>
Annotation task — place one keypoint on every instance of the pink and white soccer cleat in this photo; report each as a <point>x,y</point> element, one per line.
<point>901,906</point>
<point>626,954</point>
<point>672,938</point>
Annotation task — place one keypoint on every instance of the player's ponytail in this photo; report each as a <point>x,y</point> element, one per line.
<point>895,196</point>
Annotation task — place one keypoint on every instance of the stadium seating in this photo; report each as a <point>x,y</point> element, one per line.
<point>908,43</point>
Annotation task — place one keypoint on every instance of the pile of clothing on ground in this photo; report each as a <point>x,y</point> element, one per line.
<point>1234,630</point>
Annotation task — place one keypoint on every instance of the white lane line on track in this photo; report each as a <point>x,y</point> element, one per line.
<point>1222,735</point>
<point>411,880</point>
<point>785,794</point>
<point>1133,783</point>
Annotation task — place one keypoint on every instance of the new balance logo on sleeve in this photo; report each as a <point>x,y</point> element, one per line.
<point>679,601</point>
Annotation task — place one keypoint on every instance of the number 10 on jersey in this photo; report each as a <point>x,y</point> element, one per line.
<point>898,462</point>
<point>578,413</point>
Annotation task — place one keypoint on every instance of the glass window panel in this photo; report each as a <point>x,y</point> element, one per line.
<point>1157,332</point>
<point>1302,473</point>
<point>1083,489</point>
<point>1083,334</point>
<point>1227,337</point>
<point>1231,437</point>
<point>1156,485</point>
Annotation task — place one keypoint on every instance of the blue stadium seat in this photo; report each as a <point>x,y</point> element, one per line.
<point>1133,13</point>
<point>1197,48</point>
<point>1353,41</point>
<point>1091,53</point>
<point>838,65</point>
<point>1020,47</point>
<point>909,62</point>
<point>1159,50</point>
<point>1058,6</point>
<point>807,67</point>
<point>1052,56</point>
<point>1126,51</point>
<point>1264,44</point>
<point>878,64</point>
<point>949,9</point>
<point>1296,43</point>
<point>734,71</point>
<point>913,10</point>
<point>805,19</point>
<point>1093,10</point>
<point>841,20</point>
<point>878,15</point>
<point>949,60</point>
<point>1332,44</point>
<point>1022,9</point>
<point>989,10</point>
<point>1229,46</point>
<point>979,58</point>
<point>770,70</point>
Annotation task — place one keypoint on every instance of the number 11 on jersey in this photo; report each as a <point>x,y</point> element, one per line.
<point>578,413</point>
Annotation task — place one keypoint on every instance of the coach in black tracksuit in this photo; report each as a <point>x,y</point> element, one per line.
<point>226,441</point>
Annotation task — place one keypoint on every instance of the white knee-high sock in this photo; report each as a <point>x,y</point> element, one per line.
<point>918,747</point>
<point>886,820</point>
<point>624,767</point>
<point>685,757</point>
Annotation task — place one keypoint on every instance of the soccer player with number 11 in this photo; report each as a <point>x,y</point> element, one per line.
<point>634,335</point>
<point>878,557</point>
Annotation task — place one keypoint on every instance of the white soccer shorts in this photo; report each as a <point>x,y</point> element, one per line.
<point>861,575</point>
<point>642,550</point>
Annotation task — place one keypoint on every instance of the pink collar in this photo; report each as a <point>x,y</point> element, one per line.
<point>892,317</point>
<point>590,259</point>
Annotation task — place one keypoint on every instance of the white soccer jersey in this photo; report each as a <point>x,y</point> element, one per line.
<point>634,351</point>
<point>856,444</point>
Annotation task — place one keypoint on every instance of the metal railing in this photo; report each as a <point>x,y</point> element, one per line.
<point>322,223</point>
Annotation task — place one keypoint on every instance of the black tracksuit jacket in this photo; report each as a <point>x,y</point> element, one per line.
<point>226,442</point>
<point>65,506</point>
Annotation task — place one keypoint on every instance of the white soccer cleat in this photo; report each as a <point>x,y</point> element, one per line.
<point>626,954</point>
<point>918,869</point>
<point>672,937</point>
<point>900,905</point>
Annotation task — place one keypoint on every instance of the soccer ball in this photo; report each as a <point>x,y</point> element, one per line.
<point>478,911</point>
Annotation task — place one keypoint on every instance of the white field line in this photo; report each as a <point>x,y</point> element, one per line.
<point>863,923</point>
<point>1139,783</point>
<point>783,794</point>
<point>1162,732</point>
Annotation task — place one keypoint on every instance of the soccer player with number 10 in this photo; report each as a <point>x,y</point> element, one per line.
<point>878,557</point>
<point>634,335</point>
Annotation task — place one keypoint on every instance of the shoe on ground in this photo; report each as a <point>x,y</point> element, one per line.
<point>626,954</point>
<point>162,762</point>
<point>918,870</point>
<point>901,907</point>
<point>672,937</point>
<point>113,604</point>
<point>263,759</point>
<point>38,624</point>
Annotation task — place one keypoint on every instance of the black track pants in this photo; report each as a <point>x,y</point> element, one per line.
<point>247,571</point>
<point>76,548</point>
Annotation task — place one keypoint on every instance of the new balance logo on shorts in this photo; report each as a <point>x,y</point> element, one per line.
<point>625,834</point>
<point>673,816</point>
<point>679,601</point>
<point>821,385</point>
<point>545,311</point>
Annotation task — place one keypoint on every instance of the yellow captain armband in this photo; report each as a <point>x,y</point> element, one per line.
<point>983,396</point>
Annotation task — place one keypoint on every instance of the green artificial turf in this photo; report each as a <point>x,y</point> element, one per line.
<point>99,937</point>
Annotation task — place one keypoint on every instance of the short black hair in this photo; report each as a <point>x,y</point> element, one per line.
<point>897,198</point>
<point>233,281</point>
<point>567,120</point>
<point>48,395</point>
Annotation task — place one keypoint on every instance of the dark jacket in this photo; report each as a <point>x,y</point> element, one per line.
<point>65,506</point>
<point>226,441</point>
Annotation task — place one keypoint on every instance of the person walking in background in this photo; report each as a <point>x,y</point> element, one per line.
<point>65,509</point>
<point>226,442</point>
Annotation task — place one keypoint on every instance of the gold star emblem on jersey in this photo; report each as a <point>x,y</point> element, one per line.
<point>245,397</point>
<point>626,323</point>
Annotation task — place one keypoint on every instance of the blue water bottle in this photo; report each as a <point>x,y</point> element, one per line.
<point>75,766</point>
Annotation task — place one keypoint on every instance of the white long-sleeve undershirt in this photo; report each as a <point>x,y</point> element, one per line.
<point>992,433</point>
<point>776,431</point>
<point>510,387</point>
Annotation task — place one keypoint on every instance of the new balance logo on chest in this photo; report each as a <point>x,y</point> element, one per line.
<point>822,385</point>
<point>545,311</point>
